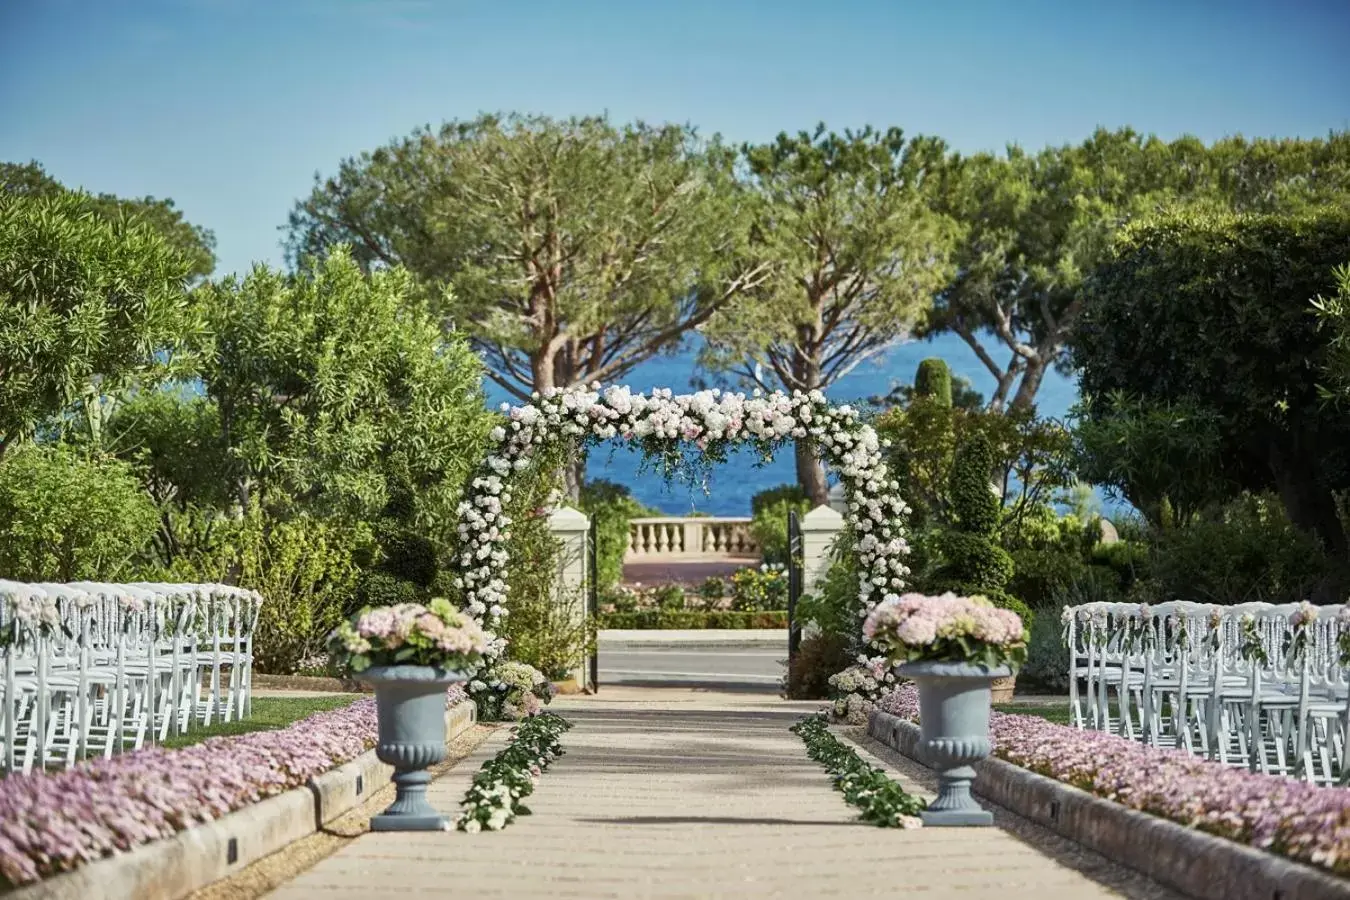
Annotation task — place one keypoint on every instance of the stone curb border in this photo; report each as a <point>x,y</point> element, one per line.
<point>174,867</point>
<point>1199,865</point>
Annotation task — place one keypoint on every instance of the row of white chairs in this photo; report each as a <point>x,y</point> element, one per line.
<point>93,669</point>
<point>1257,685</point>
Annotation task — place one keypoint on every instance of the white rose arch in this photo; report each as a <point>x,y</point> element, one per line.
<point>664,423</point>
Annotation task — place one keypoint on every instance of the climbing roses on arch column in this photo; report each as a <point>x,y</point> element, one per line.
<point>663,424</point>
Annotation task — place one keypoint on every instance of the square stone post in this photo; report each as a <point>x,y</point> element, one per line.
<point>571,528</point>
<point>819,528</point>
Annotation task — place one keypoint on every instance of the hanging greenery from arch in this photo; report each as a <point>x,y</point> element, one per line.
<point>666,426</point>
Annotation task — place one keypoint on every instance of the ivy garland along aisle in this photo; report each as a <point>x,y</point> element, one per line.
<point>666,426</point>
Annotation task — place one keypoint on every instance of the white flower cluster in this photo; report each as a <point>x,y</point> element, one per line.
<point>662,420</point>
<point>858,688</point>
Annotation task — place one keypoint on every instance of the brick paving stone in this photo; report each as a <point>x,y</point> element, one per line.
<point>693,794</point>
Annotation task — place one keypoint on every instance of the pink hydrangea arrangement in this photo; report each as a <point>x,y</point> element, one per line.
<point>410,634</point>
<point>946,628</point>
<point>1271,812</point>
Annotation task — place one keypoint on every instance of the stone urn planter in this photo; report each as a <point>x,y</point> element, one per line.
<point>1002,689</point>
<point>410,701</point>
<point>954,699</point>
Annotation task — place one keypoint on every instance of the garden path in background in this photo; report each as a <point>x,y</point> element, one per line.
<point>671,792</point>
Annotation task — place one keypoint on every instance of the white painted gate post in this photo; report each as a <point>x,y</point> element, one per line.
<point>819,528</point>
<point>571,528</point>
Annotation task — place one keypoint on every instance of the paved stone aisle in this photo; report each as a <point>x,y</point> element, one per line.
<point>678,793</point>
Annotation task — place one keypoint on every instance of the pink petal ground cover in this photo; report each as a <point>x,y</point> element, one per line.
<point>1282,815</point>
<point>54,822</point>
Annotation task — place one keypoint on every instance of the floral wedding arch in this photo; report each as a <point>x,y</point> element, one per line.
<point>663,424</point>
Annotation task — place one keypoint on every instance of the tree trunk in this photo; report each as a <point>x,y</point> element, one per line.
<point>574,476</point>
<point>1031,383</point>
<point>811,473</point>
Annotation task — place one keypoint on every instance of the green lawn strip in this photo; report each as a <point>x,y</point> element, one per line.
<point>1057,714</point>
<point>881,800</point>
<point>269,714</point>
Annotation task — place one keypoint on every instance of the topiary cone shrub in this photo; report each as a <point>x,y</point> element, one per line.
<point>934,380</point>
<point>972,562</point>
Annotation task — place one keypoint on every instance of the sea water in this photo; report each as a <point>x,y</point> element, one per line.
<point>726,489</point>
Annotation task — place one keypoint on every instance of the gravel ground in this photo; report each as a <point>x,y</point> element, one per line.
<point>1127,882</point>
<point>267,874</point>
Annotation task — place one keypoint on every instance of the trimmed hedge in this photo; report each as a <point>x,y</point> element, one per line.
<point>694,619</point>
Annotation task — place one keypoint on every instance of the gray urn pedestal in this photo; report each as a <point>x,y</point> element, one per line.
<point>410,701</point>
<point>954,701</point>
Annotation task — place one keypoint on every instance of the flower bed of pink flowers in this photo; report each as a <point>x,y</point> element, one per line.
<point>55,822</point>
<point>1294,819</point>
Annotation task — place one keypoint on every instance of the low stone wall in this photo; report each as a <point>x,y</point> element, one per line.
<point>1199,865</point>
<point>176,866</point>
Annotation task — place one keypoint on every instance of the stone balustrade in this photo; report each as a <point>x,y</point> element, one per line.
<point>705,537</point>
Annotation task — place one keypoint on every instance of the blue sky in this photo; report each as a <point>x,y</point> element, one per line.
<point>231,107</point>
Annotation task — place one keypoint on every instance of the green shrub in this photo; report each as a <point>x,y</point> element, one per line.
<point>669,597</point>
<point>833,606</point>
<point>759,589</point>
<point>305,570</point>
<point>694,619</point>
<point>971,560</point>
<point>409,556</point>
<point>1047,665</point>
<point>66,516</point>
<point>610,507</point>
<point>818,657</point>
<point>934,380</point>
<point>1040,576</point>
<point>544,629</point>
<point>713,589</point>
<point>1248,551</point>
<point>378,588</point>
<point>769,524</point>
<point>1127,560</point>
<point>790,493</point>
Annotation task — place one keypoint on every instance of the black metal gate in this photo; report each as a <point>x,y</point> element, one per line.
<point>795,573</point>
<point>593,605</point>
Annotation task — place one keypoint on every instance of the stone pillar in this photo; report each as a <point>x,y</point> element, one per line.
<point>838,502</point>
<point>819,528</point>
<point>571,529</point>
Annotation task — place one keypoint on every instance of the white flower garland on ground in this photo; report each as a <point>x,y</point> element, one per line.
<point>664,424</point>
